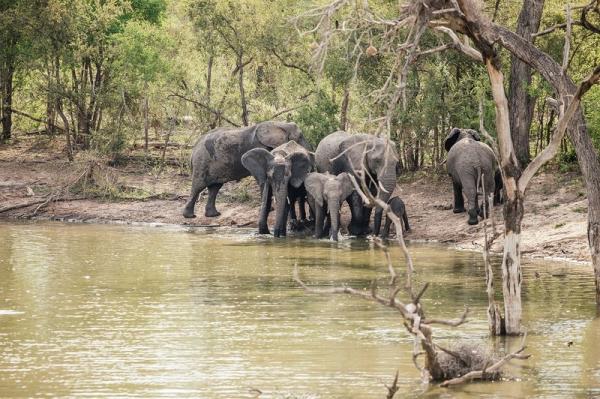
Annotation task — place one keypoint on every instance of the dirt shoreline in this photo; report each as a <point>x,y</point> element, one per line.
<point>554,226</point>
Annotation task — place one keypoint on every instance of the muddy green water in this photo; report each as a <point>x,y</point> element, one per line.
<point>156,312</point>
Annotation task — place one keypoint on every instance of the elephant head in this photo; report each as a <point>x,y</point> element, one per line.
<point>457,134</point>
<point>272,134</point>
<point>377,157</point>
<point>276,171</point>
<point>332,191</point>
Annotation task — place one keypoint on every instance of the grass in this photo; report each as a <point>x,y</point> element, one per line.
<point>559,225</point>
<point>580,209</point>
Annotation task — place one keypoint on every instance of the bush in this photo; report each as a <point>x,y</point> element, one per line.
<point>318,119</point>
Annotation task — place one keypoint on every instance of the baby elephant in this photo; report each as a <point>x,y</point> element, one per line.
<point>397,207</point>
<point>326,193</point>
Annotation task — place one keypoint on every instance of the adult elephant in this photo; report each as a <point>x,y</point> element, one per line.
<point>469,162</point>
<point>279,173</point>
<point>217,157</point>
<point>352,153</point>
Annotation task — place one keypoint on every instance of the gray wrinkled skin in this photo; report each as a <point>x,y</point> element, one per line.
<point>216,157</point>
<point>326,194</point>
<point>399,209</point>
<point>468,160</point>
<point>381,162</point>
<point>280,173</point>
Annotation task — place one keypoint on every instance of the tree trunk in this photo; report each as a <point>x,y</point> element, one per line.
<point>521,104</point>
<point>59,109</point>
<point>242,91</point>
<point>7,94</point>
<point>344,108</point>
<point>209,78</point>
<point>146,121</point>
<point>513,206</point>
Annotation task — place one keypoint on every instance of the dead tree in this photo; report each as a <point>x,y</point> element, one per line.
<point>448,367</point>
<point>464,17</point>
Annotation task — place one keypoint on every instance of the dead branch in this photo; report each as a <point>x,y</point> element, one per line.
<point>217,112</point>
<point>480,374</point>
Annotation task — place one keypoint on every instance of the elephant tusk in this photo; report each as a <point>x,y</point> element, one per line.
<point>381,187</point>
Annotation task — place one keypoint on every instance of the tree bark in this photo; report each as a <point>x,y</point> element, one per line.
<point>521,104</point>
<point>484,34</point>
<point>242,91</point>
<point>7,77</point>
<point>513,205</point>
<point>344,108</point>
<point>146,120</point>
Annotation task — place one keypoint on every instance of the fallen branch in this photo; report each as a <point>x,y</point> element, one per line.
<point>480,374</point>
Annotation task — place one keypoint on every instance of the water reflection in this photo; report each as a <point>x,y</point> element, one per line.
<point>116,311</point>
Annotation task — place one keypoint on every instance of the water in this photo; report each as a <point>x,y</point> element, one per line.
<point>157,312</point>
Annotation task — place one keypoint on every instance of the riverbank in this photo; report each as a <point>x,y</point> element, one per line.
<point>36,182</point>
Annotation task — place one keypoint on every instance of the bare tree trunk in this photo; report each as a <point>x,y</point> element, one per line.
<point>146,120</point>
<point>521,104</point>
<point>513,206</point>
<point>59,109</point>
<point>6,93</point>
<point>242,91</point>
<point>209,78</point>
<point>344,108</point>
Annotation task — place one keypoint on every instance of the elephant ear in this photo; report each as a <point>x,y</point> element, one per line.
<point>257,161</point>
<point>451,138</point>
<point>345,184</point>
<point>474,134</point>
<point>301,166</point>
<point>271,134</point>
<point>314,183</point>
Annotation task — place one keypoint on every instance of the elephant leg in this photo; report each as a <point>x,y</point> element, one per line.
<point>470,189</point>
<point>301,205</point>
<point>405,220</point>
<point>386,227</point>
<point>356,209</point>
<point>459,202</point>
<point>319,219</point>
<point>327,226</point>
<point>377,221</point>
<point>210,209</point>
<point>188,211</point>
<point>292,213</point>
<point>265,208</point>
<point>283,231</point>
<point>366,220</point>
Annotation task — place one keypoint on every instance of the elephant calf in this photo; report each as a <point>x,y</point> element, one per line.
<point>326,194</point>
<point>217,157</point>
<point>472,165</point>
<point>279,173</point>
<point>399,209</point>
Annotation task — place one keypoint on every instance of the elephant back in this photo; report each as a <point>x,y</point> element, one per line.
<point>328,149</point>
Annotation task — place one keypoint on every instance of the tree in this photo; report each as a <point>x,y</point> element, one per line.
<point>521,102</point>
<point>465,17</point>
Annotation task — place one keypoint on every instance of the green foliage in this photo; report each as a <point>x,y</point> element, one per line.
<point>318,119</point>
<point>102,60</point>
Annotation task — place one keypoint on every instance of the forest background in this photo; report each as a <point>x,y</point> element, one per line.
<point>107,74</point>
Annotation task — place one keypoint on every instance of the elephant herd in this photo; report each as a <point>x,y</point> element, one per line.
<point>287,170</point>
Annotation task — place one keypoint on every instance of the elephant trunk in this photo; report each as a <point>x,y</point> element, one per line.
<point>334,215</point>
<point>388,181</point>
<point>281,210</point>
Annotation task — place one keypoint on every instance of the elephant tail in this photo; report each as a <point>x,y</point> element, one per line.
<point>479,181</point>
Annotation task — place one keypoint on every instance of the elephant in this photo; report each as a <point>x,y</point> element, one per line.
<point>342,152</point>
<point>217,157</point>
<point>399,209</point>
<point>469,162</point>
<point>279,173</point>
<point>326,194</point>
